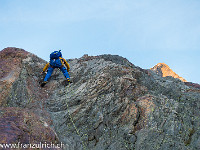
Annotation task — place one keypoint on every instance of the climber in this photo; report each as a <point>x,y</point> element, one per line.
<point>56,61</point>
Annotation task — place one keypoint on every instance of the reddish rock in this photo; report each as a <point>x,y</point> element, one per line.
<point>22,126</point>
<point>19,87</point>
<point>10,66</point>
<point>22,87</point>
<point>11,60</point>
<point>195,85</point>
<point>146,106</point>
<point>130,113</point>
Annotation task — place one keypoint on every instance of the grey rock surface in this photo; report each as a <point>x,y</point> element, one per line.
<point>111,105</point>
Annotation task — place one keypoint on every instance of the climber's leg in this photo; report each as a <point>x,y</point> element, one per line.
<point>49,73</point>
<point>64,71</point>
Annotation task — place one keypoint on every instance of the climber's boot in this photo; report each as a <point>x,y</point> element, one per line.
<point>43,83</point>
<point>68,81</point>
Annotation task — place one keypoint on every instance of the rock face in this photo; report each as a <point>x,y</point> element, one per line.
<point>164,70</point>
<point>21,125</point>
<point>110,105</point>
<point>23,118</point>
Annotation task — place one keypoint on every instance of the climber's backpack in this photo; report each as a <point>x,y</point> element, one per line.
<point>55,59</point>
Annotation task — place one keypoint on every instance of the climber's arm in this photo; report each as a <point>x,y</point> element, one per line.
<point>66,64</point>
<point>45,67</point>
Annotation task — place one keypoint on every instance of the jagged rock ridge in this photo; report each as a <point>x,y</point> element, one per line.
<point>164,70</point>
<point>111,104</point>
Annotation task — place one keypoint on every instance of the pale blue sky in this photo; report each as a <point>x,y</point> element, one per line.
<point>146,32</point>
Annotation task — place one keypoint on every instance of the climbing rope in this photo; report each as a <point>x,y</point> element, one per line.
<point>72,121</point>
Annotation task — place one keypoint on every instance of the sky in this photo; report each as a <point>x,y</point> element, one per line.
<point>146,32</point>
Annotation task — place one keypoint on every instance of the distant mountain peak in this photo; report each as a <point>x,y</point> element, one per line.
<point>164,70</point>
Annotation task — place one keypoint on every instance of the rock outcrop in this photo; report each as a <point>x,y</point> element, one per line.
<point>164,70</point>
<point>21,125</point>
<point>23,116</point>
<point>111,104</point>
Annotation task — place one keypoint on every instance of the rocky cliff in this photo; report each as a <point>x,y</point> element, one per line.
<point>111,105</point>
